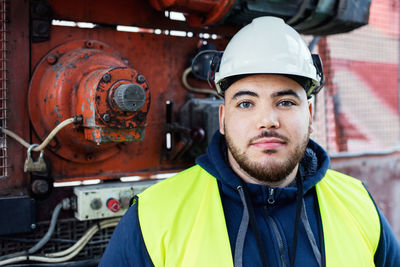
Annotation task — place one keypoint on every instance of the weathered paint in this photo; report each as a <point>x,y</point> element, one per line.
<point>79,89</point>
<point>160,58</point>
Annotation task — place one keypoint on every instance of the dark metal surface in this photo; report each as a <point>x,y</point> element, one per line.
<point>17,215</point>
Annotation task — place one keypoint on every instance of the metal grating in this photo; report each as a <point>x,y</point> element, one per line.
<point>3,87</point>
<point>66,233</point>
<point>358,111</point>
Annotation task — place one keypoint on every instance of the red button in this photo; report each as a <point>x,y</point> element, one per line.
<point>113,205</point>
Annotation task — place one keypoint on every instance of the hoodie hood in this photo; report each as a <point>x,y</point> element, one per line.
<point>312,169</point>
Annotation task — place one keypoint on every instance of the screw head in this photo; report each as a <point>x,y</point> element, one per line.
<point>106,117</point>
<point>88,44</point>
<point>33,226</point>
<point>140,78</point>
<point>51,59</point>
<point>106,77</point>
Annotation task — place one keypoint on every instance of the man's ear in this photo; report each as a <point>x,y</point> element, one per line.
<point>222,119</point>
<point>311,111</point>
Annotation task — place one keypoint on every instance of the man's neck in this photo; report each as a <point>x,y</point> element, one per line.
<point>249,179</point>
<point>282,183</point>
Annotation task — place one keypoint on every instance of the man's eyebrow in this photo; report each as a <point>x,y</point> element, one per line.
<point>285,92</point>
<point>245,92</point>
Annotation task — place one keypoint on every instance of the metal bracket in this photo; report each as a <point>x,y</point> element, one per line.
<point>34,166</point>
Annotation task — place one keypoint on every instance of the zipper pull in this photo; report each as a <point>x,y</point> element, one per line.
<point>271,197</point>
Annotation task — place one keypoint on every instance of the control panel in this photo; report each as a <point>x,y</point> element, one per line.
<point>106,200</point>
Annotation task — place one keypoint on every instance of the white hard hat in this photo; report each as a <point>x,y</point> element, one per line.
<point>268,45</point>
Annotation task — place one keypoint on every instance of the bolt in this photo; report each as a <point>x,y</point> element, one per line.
<point>140,78</point>
<point>106,77</point>
<point>40,187</point>
<point>41,9</point>
<point>33,226</point>
<point>51,59</point>
<point>106,117</point>
<point>88,44</point>
<point>41,27</point>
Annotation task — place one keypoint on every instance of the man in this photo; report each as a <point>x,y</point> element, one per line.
<point>262,195</point>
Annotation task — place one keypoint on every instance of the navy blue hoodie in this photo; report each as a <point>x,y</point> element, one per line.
<point>275,235</point>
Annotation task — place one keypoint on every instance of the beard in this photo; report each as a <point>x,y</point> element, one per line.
<point>269,171</point>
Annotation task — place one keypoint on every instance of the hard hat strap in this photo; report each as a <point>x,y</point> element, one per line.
<point>318,66</point>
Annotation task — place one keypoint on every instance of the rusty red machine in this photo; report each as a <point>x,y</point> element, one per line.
<point>102,98</point>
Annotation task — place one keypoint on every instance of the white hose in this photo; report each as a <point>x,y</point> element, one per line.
<point>85,238</point>
<point>46,141</point>
<point>16,137</point>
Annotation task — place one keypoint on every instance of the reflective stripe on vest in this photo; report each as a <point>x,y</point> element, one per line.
<point>183,224</point>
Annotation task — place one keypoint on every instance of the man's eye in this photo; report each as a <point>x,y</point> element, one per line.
<point>245,104</point>
<point>286,103</point>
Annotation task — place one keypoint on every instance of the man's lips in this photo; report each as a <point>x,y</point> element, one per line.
<point>268,143</point>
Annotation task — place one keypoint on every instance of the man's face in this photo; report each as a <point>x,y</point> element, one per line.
<point>266,120</point>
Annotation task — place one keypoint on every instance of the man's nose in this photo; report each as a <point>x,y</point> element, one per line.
<point>267,119</point>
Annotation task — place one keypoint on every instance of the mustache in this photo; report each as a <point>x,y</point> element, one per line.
<point>264,134</point>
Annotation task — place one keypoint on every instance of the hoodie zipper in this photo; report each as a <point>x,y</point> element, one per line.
<point>271,196</point>
<point>279,240</point>
<point>274,227</point>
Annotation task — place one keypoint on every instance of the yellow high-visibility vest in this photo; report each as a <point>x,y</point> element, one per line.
<point>183,223</point>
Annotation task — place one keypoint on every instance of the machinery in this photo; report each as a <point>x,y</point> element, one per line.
<point>99,100</point>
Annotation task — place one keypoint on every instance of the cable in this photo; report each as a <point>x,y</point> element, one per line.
<point>85,238</point>
<point>42,241</point>
<point>48,138</point>
<point>16,137</point>
<point>47,236</point>
<point>195,89</point>
<point>68,253</point>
